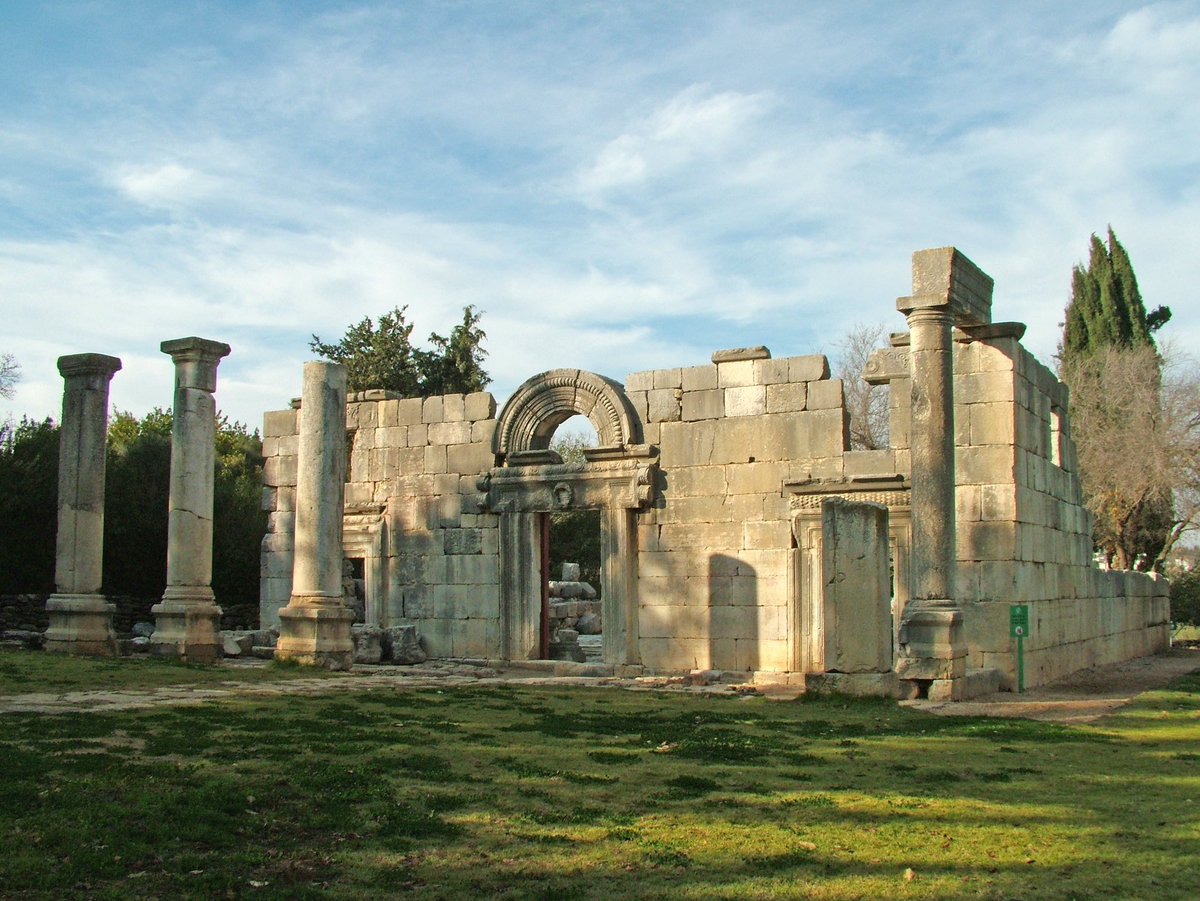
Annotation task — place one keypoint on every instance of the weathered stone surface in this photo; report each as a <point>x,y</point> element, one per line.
<point>402,645</point>
<point>315,625</point>
<point>368,643</point>
<point>188,620</point>
<point>707,562</point>
<point>80,619</point>
<point>857,587</point>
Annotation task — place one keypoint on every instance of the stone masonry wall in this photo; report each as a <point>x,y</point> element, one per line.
<point>714,553</point>
<point>717,581</point>
<point>1024,534</point>
<point>411,510</point>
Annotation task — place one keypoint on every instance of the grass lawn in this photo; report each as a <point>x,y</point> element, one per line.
<point>513,792</point>
<point>30,671</point>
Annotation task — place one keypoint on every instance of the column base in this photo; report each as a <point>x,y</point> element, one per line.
<point>187,625</point>
<point>316,634</point>
<point>80,624</point>
<point>931,643</point>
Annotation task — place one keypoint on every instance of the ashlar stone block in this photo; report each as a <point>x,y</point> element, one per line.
<point>746,401</point>
<point>480,406</point>
<point>699,378</point>
<point>453,407</point>
<point>698,405</point>
<point>856,605</point>
<point>826,395</point>
<point>808,369</point>
<point>787,398</point>
<point>663,404</point>
<point>738,374</point>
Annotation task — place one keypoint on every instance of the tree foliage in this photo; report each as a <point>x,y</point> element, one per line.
<point>1109,359</point>
<point>381,355</point>
<point>1185,598</point>
<point>866,404</point>
<point>1106,308</point>
<point>137,491</point>
<point>28,506</point>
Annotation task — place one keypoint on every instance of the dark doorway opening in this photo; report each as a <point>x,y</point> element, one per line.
<point>572,615</point>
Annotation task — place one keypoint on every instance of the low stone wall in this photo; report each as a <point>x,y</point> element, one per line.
<point>1126,615</point>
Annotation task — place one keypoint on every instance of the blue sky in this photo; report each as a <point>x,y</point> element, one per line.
<point>617,185</point>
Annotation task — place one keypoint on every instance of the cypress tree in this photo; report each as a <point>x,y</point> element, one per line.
<point>1106,311</point>
<point>1106,308</point>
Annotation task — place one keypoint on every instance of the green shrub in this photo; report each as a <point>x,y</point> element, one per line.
<point>1185,598</point>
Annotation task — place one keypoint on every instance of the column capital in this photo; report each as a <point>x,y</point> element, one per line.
<point>195,361</point>
<point>944,278</point>
<point>936,315</point>
<point>75,365</point>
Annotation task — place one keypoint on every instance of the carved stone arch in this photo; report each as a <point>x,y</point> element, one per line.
<point>549,399</point>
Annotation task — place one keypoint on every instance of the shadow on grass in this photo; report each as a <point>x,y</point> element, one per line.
<point>465,793</point>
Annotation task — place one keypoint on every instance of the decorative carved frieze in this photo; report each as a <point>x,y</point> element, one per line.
<point>628,484</point>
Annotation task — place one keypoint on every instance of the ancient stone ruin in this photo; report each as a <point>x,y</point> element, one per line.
<point>739,532</point>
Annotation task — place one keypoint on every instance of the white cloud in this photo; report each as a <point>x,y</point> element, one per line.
<point>612,197</point>
<point>168,185</point>
<point>694,124</point>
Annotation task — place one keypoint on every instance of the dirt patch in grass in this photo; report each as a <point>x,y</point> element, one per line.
<point>1082,697</point>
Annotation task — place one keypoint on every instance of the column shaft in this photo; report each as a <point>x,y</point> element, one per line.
<point>188,621</point>
<point>314,628</point>
<point>933,504</point>
<point>320,485</point>
<point>80,617</point>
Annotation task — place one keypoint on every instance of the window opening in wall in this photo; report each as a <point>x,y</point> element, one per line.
<point>1056,419</point>
<point>574,621</point>
<point>349,452</point>
<point>354,587</point>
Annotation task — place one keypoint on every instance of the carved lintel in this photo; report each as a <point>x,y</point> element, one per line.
<point>628,484</point>
<point>890,492</point>
<point>534,458</point>
<point>811,503</point>
<point>885,365</point>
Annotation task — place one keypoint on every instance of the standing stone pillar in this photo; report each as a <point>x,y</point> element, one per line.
<point>948,289</point>
<point>80,617</point>
<point>187,622</point>
<point>314,628</point>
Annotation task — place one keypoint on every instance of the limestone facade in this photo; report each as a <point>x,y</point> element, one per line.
<point>712,481</point>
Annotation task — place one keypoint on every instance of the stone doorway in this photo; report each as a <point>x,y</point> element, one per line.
<point>617,479</point>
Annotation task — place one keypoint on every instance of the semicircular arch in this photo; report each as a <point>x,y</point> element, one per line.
<point>547,400</point>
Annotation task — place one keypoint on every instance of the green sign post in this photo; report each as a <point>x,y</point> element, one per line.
<point>1018,628</point>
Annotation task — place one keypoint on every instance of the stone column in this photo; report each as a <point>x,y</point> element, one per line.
<point>187,622</point>
<point>314,628</point>
<point>80,617</point>
<point>948,289</point>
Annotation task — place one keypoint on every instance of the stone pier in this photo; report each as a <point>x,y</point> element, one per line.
<point>314,627</point>
<point>948,290</point>
<point>188,620</point>
<point>80,617</point>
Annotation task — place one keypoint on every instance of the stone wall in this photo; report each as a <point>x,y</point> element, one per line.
<point>431,557</point>
<point>715,549</point>
<point>1024,534</point>
<point>711,480</point>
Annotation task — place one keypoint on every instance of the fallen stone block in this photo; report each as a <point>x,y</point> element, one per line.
<point>402,645</point>
<point>368,643</point>
<point>589,624</point>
